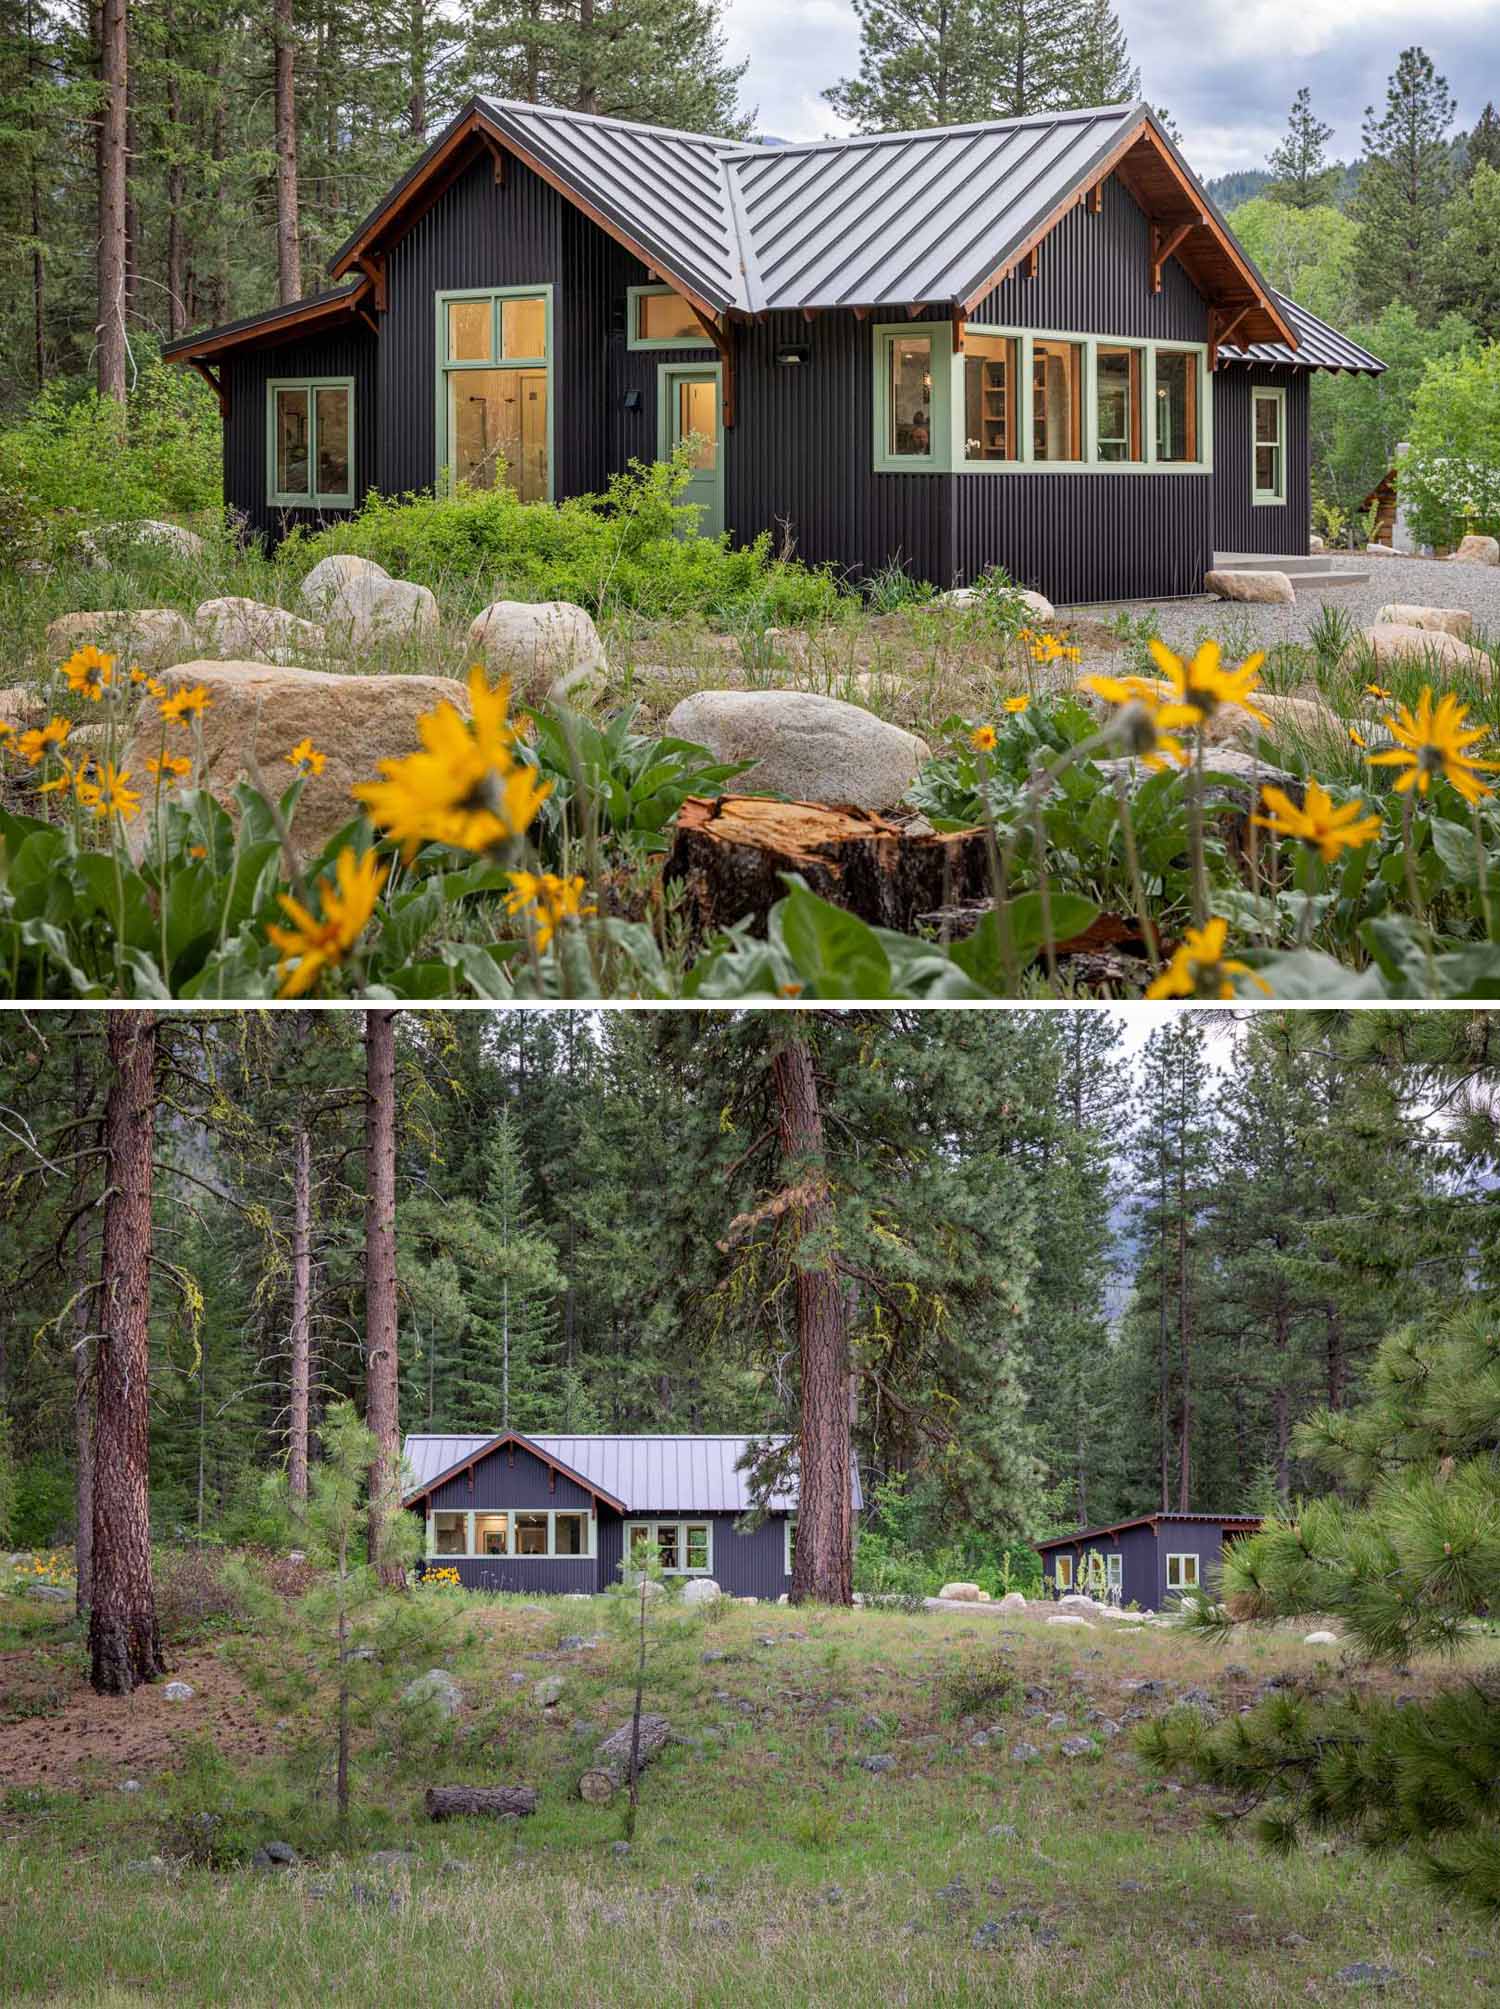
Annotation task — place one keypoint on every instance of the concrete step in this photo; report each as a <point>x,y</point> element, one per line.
<point>1318,572</point>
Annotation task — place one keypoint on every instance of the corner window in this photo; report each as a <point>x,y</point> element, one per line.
<point>1062,1572</point>
<point>310,443</point>
<point>680,1548</point>
<point>450,1535</point>
<point>658,318</point>
<point>495,389</point>
<point>1177,397</point>
<point>1117,404</point>
<point>1268,438</point>
<point>991,367</point>
<point>1182,1572</point>
<point>1057,400</point>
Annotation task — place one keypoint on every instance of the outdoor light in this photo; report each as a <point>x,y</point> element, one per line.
<point>793,353</point>
<point>632,401</point>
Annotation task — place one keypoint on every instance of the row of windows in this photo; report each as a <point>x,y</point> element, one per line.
<point>560,1532</point>
<point>1182,1571</point>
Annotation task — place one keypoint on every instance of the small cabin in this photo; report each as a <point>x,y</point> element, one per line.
<point>544,1515</point>
<point>1382,499</point>
<point>1149,1562</point>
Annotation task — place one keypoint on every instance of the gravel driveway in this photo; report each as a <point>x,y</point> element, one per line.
<point>1420,582</point>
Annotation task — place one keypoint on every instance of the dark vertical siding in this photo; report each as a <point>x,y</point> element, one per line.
<point>1082,537</point>
<point>349,353</point>
<point>1138,1586</point>
<point>499,1482</point>
<point>1239,525</point>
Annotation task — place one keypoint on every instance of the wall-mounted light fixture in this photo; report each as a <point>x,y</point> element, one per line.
<point>793,353</point>
<point>632,401</point>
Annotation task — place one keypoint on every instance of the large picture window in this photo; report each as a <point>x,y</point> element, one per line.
<point>495,389</point>
<point>1268,437</point>
<point>559,1532</point>
<point>310,443</point>
<point>680,1548</point>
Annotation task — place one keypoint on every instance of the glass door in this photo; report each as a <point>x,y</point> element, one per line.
<point>691,414</point>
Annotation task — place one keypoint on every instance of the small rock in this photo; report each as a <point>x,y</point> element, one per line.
<point>130,1785</point>
<point>1258,589</point>
<point>296,1556</point>
<point>1446,620</point>
<point>881,1762</point>
<point>872,1725</point>
<point>1024,1754</point>
<point>1086,1624</point>
<point>701,1590</point>
<point>148,1866</point>
<point>437,1690</point>
<point>1013,1601</point>
<point>1003,1832</point>
<point>713,1656</point>
<point>453,1866</point>
<point>979,1741</point>
<point>1077,1747</point>
<point>962,1593</point>
<point>1057,1722</point>
<point>1364,1973</point>
<point>1320,1639</point>
<point>548,647</point>
<point>391,1858</point>
<point>619,1848</point>
<point>364,1894</point>
<point>1130,1886</point>
<point>1237,1671</point>
<point>178,1691</point>
<point>806,747</point>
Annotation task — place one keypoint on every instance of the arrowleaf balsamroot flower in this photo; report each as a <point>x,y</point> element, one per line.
<point>185,704</point>
<point>465,788</point>
<point>1205,683</point>
<point>553,899</point>
<point>311,945</point>
<point>982,738</point>
<point>170,764</point>
<point>1435,740</point>
<point>89,671</point>
<point>32,746</point>
<point>1148,727</point>
<point>306,758</point>
<point>1200,969</point>
<point>1332,827</point>
<point>73,780</point>
<point>1018,704</point>
<point>113,795</point>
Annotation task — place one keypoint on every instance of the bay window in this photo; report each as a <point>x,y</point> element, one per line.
<point>494,417</point>
<point>561,1532</point>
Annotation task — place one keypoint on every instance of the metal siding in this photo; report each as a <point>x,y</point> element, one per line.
<point>1138,1574</point>
<point>350,352</point>
<point>1239,524</point>
<point>1086,537</point>
<point>498,1483</point>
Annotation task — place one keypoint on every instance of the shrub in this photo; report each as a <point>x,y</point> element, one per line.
<point>981,1683</point>
<point>1450,477</point>
<point>42,1510</point>
<point>7,1483</point>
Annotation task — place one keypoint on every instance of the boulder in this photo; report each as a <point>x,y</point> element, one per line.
<point>436,1690</point>
<point>1013,1600</point>
<point>1398,642</point>
<point>1258,589</point>
<point>1445,620</point>
<point>361,604</point>
<point>547,1693</point>
<point>1036,604</point>
<point>178,1691</point>
<point>547,647</point>
<point>1077,1605</point>
<point>964,1593</point>
<point>22,705</point>
<point>259,711</point>
<point>701,1590</point>
<point>1320,1639</point>
<point>97,546</point>
<point>1068,1619</point>
<point>805,747</point>
<point>248,629</point>
<point>1316,544</point>
<point>1475,550</point>
<point>1380,551</point>
<point>150,636</point>
<point>1299,718</point>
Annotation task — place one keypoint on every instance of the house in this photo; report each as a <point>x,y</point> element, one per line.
<point>549,1514</point>
<point>1032,343</point>
<point>1150,1561</point>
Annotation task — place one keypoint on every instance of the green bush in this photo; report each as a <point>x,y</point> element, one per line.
<point>42,1510</point>
<point>7,1483</point>
<point>1450,477</point>
<point>631,548</point>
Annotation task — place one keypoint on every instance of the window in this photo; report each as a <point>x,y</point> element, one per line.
<point>495,389</point>
<point>1182,1572</point>
<point>1056,400</point>
<point>991,366</point>
<point>310,443</point>
<point>1117,405</point>
<point>682,1548</point>
<point>1268,431</point>
<point>789,1536</point>
<point>1114,1572</point>
<point>531,1534</point>
<point>658,318</point>
<point>1062,1572</point>
<point>564,1533</point>
<point>492,1534</point>
<point>1176,406</point>
<point>570,1534</point>
<point>450,1535</point>
<point>909,414</point>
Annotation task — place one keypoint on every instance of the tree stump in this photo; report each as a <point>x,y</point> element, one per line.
<point>729,854</point>
<point>611,1767</point>
<point>447,1803</point>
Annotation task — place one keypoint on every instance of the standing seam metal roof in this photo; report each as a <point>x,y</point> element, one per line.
<point>1319,347</point>
<point>650,1474</point>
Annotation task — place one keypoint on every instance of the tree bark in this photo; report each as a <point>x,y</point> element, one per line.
<point>650,1736</point>
<point>380,1288</point>
<point>446,1803</point>
<point>114,69</point>
<point>177,306</point>
<point>288,232</point>
<point>38,262</point>
<point>301,1322</point>
<point>83,1369</point>
<point>124,1640</point>
<point>822,1567</point>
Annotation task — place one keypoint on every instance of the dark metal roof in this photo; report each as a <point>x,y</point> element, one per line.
<point>318,304</point>
<point>1147,1521</point>
<point>649,1475</point>
<point>1319,347</point>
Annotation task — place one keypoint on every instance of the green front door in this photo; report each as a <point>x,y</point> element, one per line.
<point>689,408</point>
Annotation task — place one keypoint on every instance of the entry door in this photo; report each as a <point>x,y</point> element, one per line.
<point>690,409</point>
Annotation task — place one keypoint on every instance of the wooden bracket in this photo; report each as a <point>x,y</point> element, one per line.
<point>1221,325</point>
<point>960,323</point>
<point>215,384</point>
<point>860,313</point>
<point>1096,199</point>
<point>811,313</point>
<point>1164,241</point>
<point>551,1478</point>
<point>915,309</point>
<point>1029,262</point>
<point>373,267</point>
<point>497,156</point>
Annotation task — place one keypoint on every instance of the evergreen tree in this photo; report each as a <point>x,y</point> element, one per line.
<point>1103,73</point>
<point>1469,267</point>
<point>1304,177</point>
<point>953,62</point>
<point>1406,179</point>
<point>1482,146</point>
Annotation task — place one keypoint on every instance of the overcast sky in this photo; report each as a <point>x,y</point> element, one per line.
<point>1227,70</point>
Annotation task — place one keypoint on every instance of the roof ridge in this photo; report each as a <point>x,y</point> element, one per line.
<point>906,134</point>
<point>530,110</point>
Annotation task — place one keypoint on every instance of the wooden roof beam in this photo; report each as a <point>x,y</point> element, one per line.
<point>215,384</point>
<point>1165,240</point>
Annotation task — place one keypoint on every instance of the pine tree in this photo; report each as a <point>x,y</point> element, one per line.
<point>953,62</point>
<point>1406,179</point>
<point>1103,73</point>
<point>1469,267</point>
<point>381,1348</point>
<point>1304,178</point>
<point>1482,146</point>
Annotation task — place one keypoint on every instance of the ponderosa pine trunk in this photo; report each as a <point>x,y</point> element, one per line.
<point>288,232</point>
<point>124,1640</point>
<point>822,1566</point>
<point>177,305</point>
<point>301,1320</point>
<point>83,1366</point>
<point>114,71</point>
<point>380,1288</point>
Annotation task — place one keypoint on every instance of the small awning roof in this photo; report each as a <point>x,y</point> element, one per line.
<point>1319,347</point>
<point>317,314</point>
<point>1237,1521</point>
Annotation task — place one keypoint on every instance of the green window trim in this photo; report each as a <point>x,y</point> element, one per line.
<point>947,409</point>
<point>1274,497</point>
<point>668,376</point>
<point>444,369</point>
<point>633,297</point>
<point>509,1554</point>
<point>686,1530</point>
<point>313,498</point>
<point>789,1544</point>
<point>1177,1577</point>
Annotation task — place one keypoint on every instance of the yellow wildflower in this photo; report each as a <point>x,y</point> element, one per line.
<point>1434,740</point>
<point>1018,704</point>
<point>305,757</point>
<point>982,738</point>
<point>89,671</point>
<point>1148,726</point>
<point>1205,683</point>
<point>1200,969</point>
<point>182,704</point>
<point>1318,821</point>
<point>1356,737</point>
<point>197,851</point>
<point>553,899</point>
<point>33,745</point>
<point>1376,691</point>
<point>169,764</point>
<point>73,780</point>
<point>114,796</point>
<point>311,945</point>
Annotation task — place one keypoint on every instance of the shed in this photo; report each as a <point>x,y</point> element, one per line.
<point>541,1514</point>
<point>1032,343</point>
<point>1148,1561</point>
<point>1382,499</point>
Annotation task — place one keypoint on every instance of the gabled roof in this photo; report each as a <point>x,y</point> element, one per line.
<point>316,314</point>
<point>922,218</point>
<point>1238,1521</point>
<point>1319,347</point>
<point>635,1475</point>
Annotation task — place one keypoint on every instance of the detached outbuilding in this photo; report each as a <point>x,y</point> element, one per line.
<point>555,1514</point>
<point>1150,1561</point>
<point>1032,343</point>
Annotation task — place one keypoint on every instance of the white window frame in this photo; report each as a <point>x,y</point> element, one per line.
<point>1060,1563</point>
<point>788,1544</point>
<point>1267,498</point>
<point>692,1521</point>
<point>1114,1571</point>
<point>471,1554</point>
<point>1180,1556</point>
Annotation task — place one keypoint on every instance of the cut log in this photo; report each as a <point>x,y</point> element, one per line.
<point>447,1803</point>
<point>611,1767</point>
<point>729,854</point>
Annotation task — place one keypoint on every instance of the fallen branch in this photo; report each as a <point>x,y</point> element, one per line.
<point>611,1766</point>
<point>447,1803</point>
